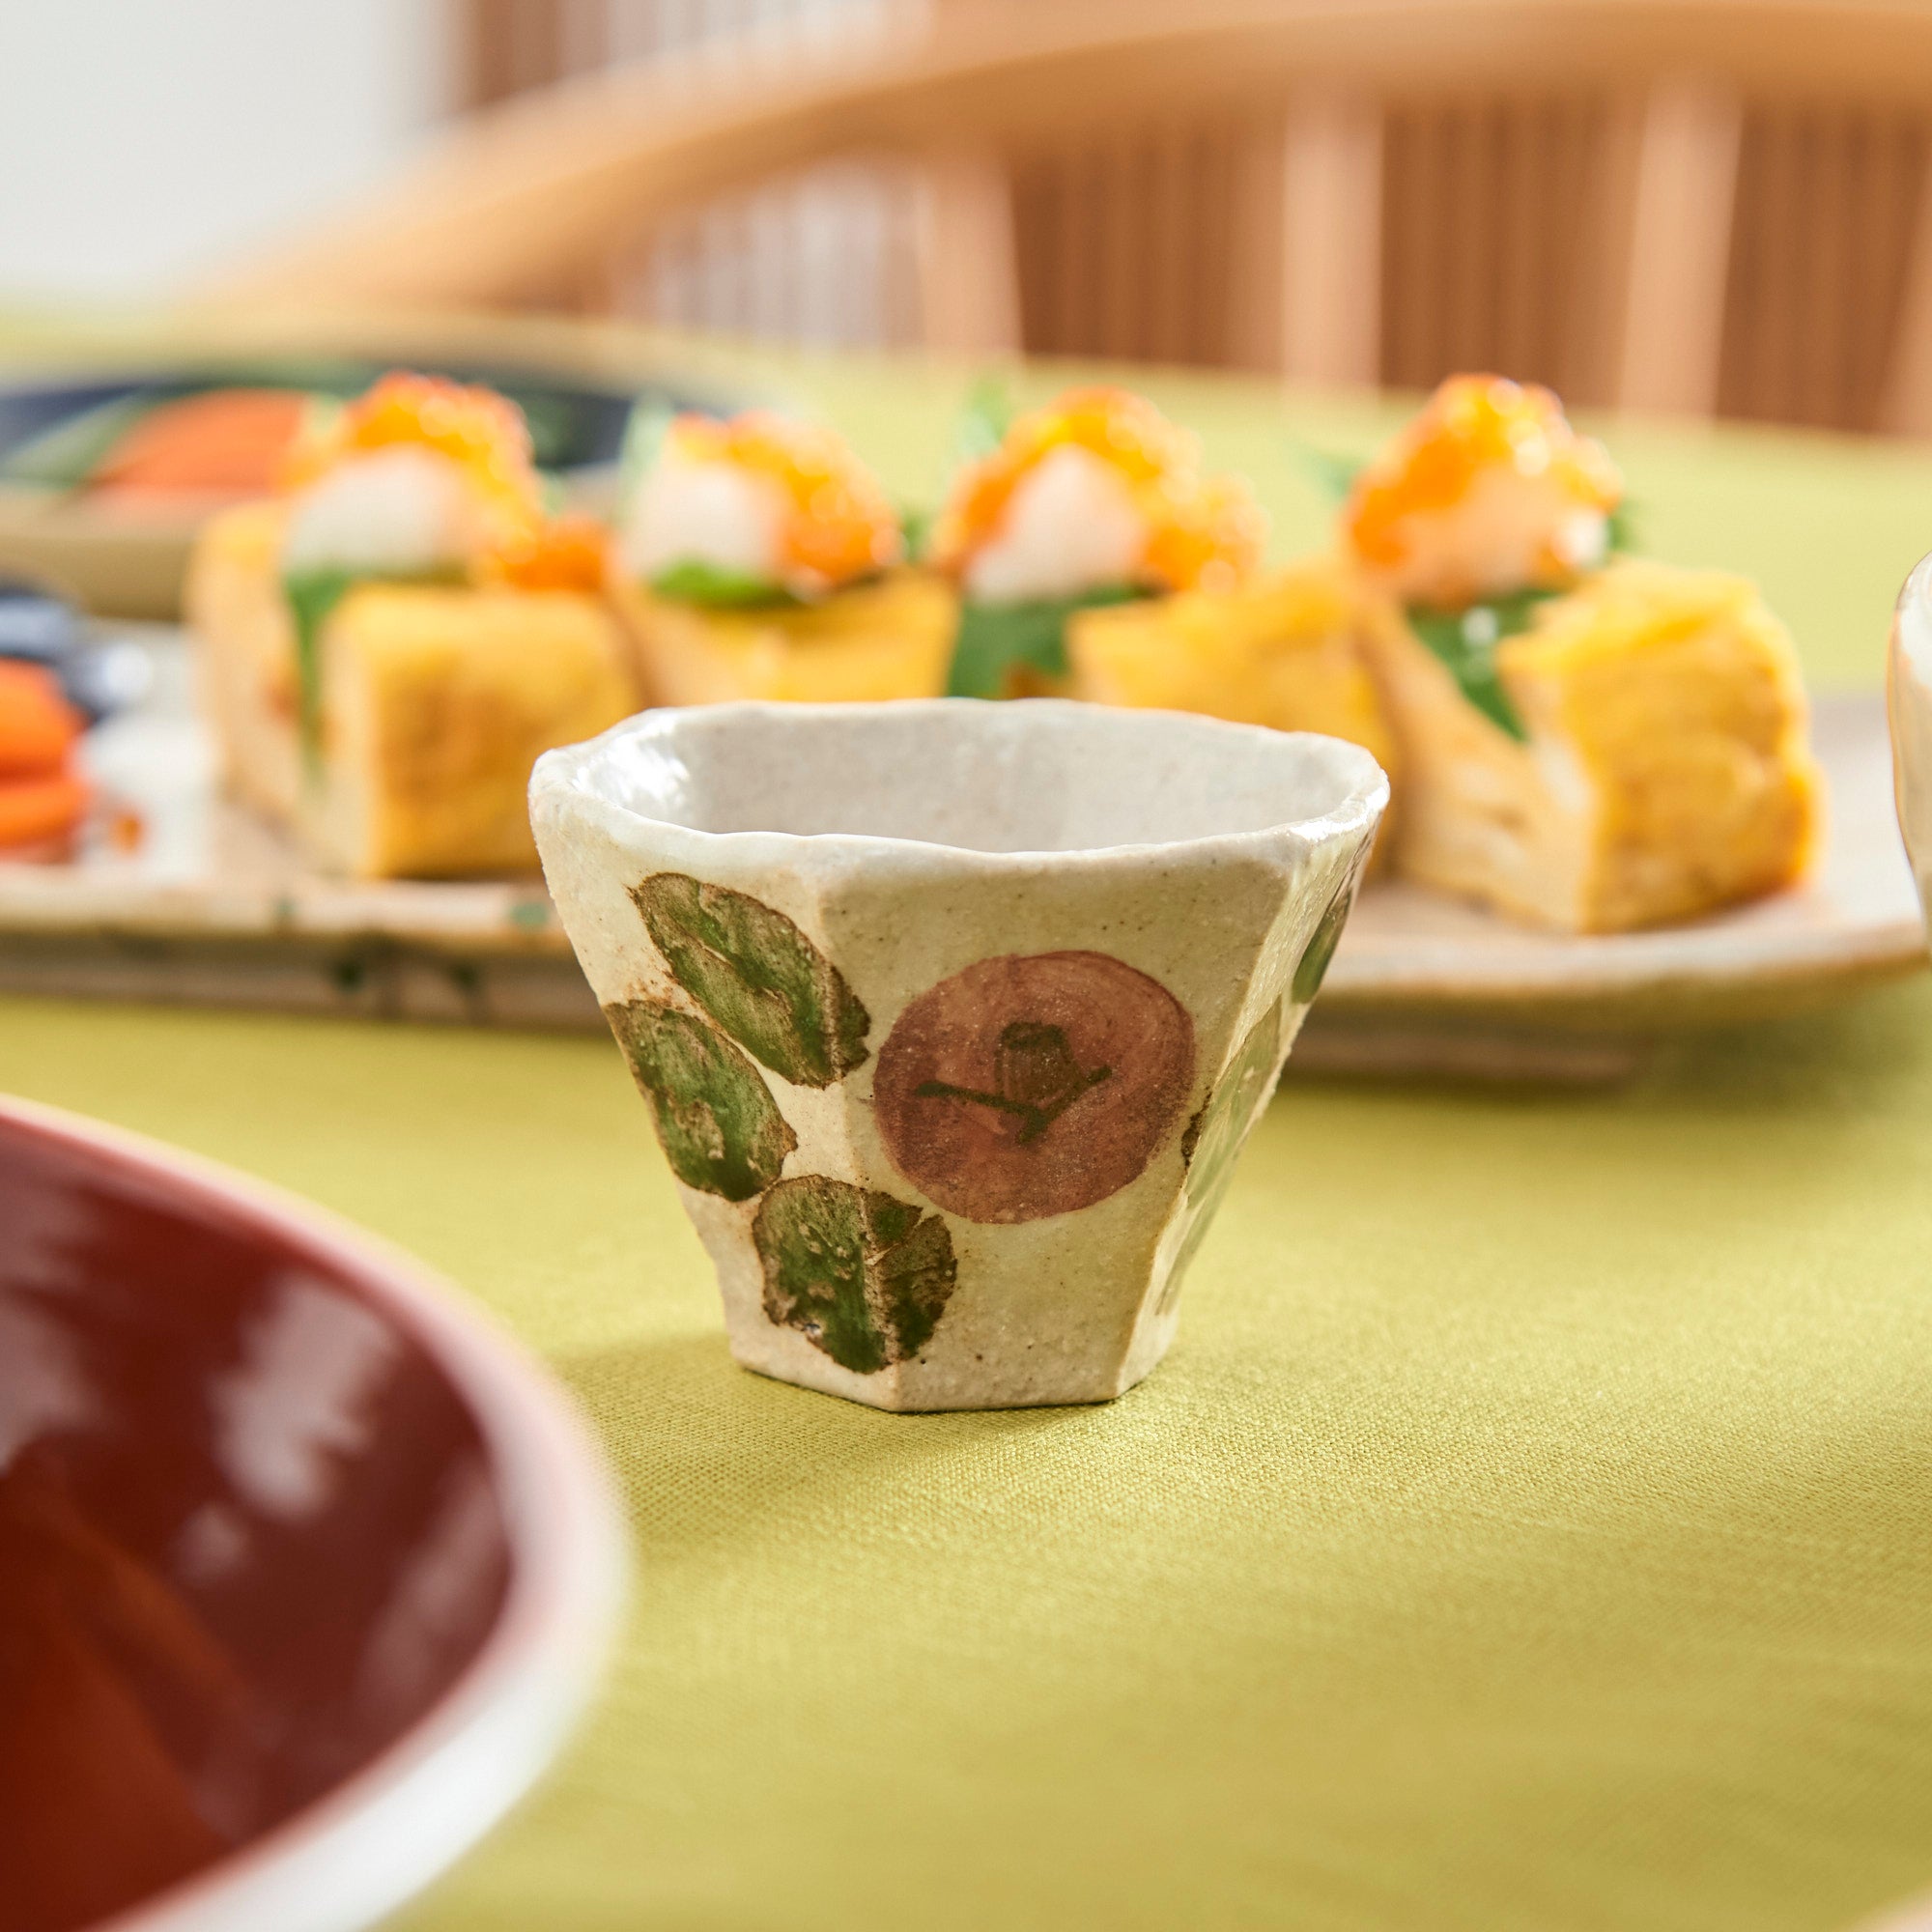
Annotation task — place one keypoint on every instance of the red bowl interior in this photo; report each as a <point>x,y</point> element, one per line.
<point>249,1529</point>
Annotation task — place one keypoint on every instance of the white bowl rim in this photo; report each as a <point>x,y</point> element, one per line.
<point>567,775</point>
<point>1913,614</point>
<point>366,1845</point>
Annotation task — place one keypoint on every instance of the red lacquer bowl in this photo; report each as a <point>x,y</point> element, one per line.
<point>304,1572</point>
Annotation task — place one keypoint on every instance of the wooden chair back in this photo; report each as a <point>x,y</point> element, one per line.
<point>1685,204</point>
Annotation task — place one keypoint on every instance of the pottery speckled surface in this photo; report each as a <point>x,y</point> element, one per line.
<point>952,1017</point>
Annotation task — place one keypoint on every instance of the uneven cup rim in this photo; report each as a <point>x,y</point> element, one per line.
<point>1912,620</point>
<point>566,777</point>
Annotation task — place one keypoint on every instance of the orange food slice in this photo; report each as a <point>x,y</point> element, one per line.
<point>34,810</point>
<point>230,441</point>
<point>36,724</point>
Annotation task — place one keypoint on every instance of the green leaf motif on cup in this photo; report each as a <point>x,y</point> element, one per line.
<point>1215,1136</point>
<point>757,976</point>
<point>1313,966</point>
<point>720,1127</point>
<point>862,1276</point>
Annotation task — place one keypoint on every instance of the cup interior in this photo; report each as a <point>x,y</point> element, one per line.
<point>1036,775</point>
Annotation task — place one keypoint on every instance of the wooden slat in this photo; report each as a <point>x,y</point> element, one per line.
<point>1083,234</point>
<point>1680,247</point>
<point>506,48</point>
<point>1250,336</point>
<point>1407,355</point>
<point>1495,211</point>
<point>1828,199</point>
<point>540,179</point>
<point>1036,247</point>
<point>1136,246</point>
<point>1741,242</point>
<point>1907,405</point>
<point>969,288</point>
<point>1120,314</point>
<point>1609,166</point>
<point>1469,257</point>
<point>1885,190</point>
<point>1224,237</point>
<point>1513,141</point>
<point>1331,227</point>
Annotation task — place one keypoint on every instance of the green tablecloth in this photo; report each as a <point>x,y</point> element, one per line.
<point>1532,1526</point>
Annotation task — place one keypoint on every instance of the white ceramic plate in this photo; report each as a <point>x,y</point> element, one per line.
<point>1413,964</point>
<point>214,907</point>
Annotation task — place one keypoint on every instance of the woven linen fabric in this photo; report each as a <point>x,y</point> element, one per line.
<point>1531,1527</point>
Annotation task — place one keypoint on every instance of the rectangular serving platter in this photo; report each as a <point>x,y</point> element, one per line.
<point>212,906</point>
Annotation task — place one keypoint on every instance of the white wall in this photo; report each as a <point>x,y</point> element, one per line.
<point>142,140</point>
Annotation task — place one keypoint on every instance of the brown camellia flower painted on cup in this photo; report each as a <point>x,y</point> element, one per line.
<point>1030,1085</point>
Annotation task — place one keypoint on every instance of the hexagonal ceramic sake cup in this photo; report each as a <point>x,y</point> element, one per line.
<point>953,1016</point>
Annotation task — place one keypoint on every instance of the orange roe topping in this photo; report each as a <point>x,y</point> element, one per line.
<point>840,524</point>
<point>1205,532</point>
<point>482,433</point>
<point>1210,540</point>
<point>564,554</point>
<point>1471,425</point>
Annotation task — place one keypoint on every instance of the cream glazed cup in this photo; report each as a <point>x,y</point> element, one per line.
<point>1908,701</point>
<point>953,1017</point>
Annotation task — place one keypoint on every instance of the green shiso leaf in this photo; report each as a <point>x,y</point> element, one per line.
<point>997,639</point>
<point>1333,474</point>
<point>313,594</point>
<point>1621,536</point>
<point>1466,641</point>
<point>644,434</point>
<point>717,589</point>
<point>987,416</point>
<point>915,527</point>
